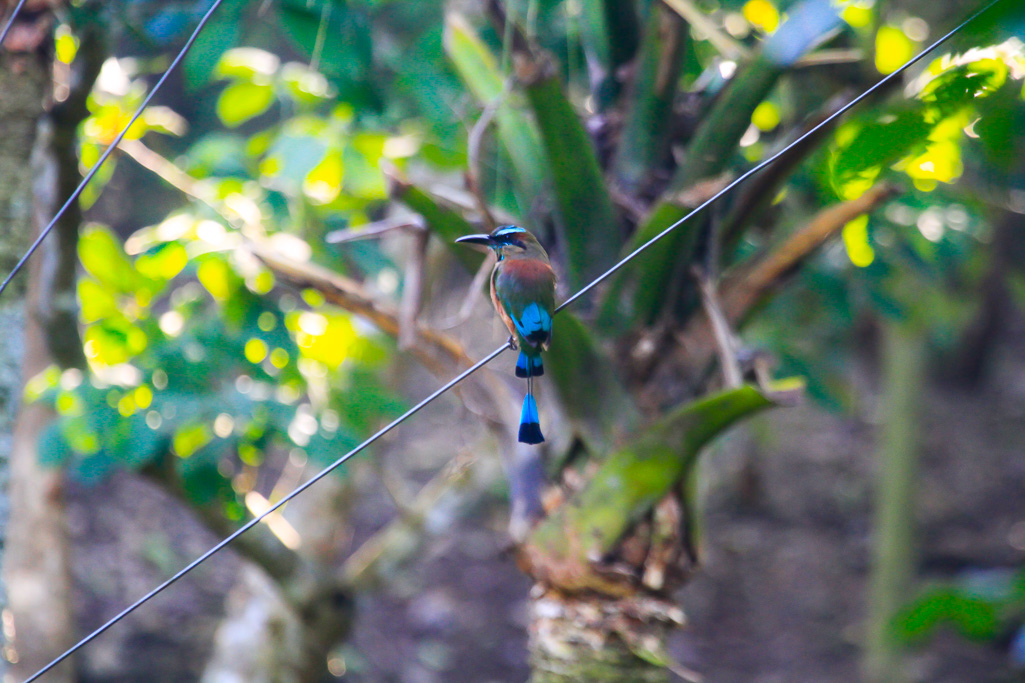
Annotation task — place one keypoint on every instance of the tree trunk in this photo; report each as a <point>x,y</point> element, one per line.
<point>599,639</point>
<point>261,639</point>
<point>36,568</point>
<point>24,81</point>
<point>36,562</point>
<point>893,561</point>
<point>289,609</point>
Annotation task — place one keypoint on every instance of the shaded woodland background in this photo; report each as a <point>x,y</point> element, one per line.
<point>263,275</point>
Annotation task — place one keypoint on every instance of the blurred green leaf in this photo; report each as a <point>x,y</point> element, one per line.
<point>113,340</point>
<point>217,154</point>
<point>200,476</point>
<point>104,258</point>
<point>96,302</point>
<point>223,32</point>
<point>971,616</point>
<point>588,222</point>
<point>164,262</point>
<point>241,101</point>
<point>479,70</point>
<point>594,399</point>
<point>217,277</point>
<point>864,149</point>
<point>247,64</point>
<point>293,156</point>
<point>134,444</point>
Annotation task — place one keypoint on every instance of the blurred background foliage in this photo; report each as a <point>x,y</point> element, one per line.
<point>295,125</point>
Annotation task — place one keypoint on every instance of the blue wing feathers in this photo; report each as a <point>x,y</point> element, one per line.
<point>532,320</point>
<point>524,289</point>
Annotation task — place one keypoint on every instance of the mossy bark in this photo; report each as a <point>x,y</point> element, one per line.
<point>35,560</point>
<point>567,548</point>
<point>599,640</point>
<point>38,171</point>
<point>24,81</point>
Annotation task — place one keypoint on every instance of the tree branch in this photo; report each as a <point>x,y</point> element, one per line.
<point>746,289</point>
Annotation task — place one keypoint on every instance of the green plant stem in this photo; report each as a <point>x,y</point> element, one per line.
<point>610,34</point>
<point>644,140</point>
<point>894,528</point>
<point>627,487</point>
<point>709,153</point>
<point>480,71</point>
<point>445,223</point>
<point>596,403</point>
<point>586,217</point>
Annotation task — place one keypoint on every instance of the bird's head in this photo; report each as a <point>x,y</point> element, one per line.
<point>509,241</point>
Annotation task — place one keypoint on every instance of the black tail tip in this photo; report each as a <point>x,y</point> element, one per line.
<point>529,366</point>
<point>530,432</point>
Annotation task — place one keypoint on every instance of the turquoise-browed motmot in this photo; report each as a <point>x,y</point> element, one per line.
<point>523,292</point>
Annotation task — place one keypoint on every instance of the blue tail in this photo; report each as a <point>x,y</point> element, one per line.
<point>530,427</point>
<point>529,366</point>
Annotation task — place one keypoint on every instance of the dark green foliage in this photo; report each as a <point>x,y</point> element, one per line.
<point>223,32</point>
<point>337,36</point>
<point>606,412</point>
<point>586,218</point>
<point>985,605</point>
<point>972,616</point>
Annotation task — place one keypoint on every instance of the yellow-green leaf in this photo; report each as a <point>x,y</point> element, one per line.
<point>241,101</point>
<point>104,258</point>
<point>893,48</point>
<point>163,264</point>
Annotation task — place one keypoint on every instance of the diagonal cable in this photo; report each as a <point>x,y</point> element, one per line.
<point>112,146</point>
<point>10,21</point>
<point>494,354</point>
<point>256,520</point>
<point>755,169</point>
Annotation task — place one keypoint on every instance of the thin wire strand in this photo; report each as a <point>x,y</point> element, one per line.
<point>259,518</point>
<point>479,364</point>
<point>113,145</point>
<point>750,172</point>
<point>10,22</point>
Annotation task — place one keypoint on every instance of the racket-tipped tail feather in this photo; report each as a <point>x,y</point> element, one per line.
<point>530,423</point>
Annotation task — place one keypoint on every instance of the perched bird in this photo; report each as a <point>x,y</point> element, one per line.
<point>523,292</point>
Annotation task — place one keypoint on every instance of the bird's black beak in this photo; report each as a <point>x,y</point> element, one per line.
<point>483,240</point>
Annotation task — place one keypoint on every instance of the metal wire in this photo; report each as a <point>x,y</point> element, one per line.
<point>486,359</point>
<point>113,145</point>
<point>10,22</point>
<point>259,518</point>
<point>750,172</point>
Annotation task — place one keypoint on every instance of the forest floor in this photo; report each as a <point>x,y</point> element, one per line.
<point>780,597</point>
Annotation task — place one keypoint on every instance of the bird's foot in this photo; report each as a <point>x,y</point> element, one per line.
<point>513,344</point>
